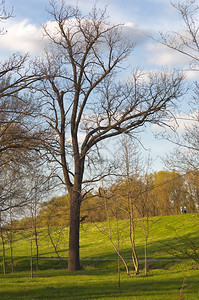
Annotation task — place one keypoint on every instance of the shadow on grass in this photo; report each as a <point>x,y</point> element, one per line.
<point>92,285</point>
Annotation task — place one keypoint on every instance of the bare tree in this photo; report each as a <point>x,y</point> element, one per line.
<point>185,156</point>
<point>55,235</point>
<point>17,107</point>
<point>86,104</point>
<point>37,189</point>
<point>3,241</point>
<point>186,40</point>
<point>111,208</point>
<point>129,199</point>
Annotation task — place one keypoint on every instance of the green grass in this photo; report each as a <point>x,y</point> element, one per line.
<point>96,283</point>
<point>94,244</point>
<point>99,279</point>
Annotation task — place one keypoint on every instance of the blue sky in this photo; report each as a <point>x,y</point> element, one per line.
<point>143,18</point>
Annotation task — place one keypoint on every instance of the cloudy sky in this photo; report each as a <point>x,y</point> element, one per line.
<point>143,19</point>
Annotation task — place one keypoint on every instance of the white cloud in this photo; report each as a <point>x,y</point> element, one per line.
<point>26,37</point>
<point>22,37</point>
<point>161,55</point>
<point>180,122</point>
<point>191,74</point>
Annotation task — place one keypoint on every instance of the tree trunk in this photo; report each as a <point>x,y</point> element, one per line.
<point>11,236</point>
<point>36,244</point>
<point>31,256</point>
<point>11,254</point>
<point>145,255</point>
<point>3,247</point>
<point>74,258</point>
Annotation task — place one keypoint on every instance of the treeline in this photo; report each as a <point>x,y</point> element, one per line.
<point>160,193</point>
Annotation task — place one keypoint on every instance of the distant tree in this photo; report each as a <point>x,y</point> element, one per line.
<point>192,186</point>
<point>85,104</point>
<point>169,191</point>
<point>56,210</point>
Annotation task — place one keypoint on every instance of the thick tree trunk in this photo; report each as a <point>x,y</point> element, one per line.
<point>74,257</point>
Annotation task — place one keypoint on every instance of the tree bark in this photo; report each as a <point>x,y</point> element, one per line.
<point>74,257</point>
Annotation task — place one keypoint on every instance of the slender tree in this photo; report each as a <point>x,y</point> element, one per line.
<point>3,242</point>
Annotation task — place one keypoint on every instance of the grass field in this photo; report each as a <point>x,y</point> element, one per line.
<point>166,279</point>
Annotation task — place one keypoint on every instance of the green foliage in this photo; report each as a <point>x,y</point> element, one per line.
<point>55,212</point>
<point>170,192</point>
<point>157,194</point>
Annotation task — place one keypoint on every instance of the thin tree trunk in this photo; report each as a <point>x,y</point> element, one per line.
<point>118,258</point>
<point>37,246</point>
<point>11,248</point>
<point>54,245</point>
<point>111,240</point>
<point>31,258</point>
<point>11,254</point>
<point>134,254</point>
<point>3,246</point>
<point>146,232</point>
<point>145,255</point>
<point>132,237</point>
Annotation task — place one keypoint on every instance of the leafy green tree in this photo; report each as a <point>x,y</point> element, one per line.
<point>192,186</point>
<point>56,211</point>
<point>169,191</point>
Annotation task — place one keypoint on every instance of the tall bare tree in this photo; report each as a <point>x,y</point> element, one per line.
<point>84,102</point>
<point>185,41</point>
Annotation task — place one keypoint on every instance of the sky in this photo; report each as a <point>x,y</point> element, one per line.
<point>143,20</point>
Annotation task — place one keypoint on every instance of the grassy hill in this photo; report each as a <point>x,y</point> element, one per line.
<point>163,232</point>
<point>167,279</point>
